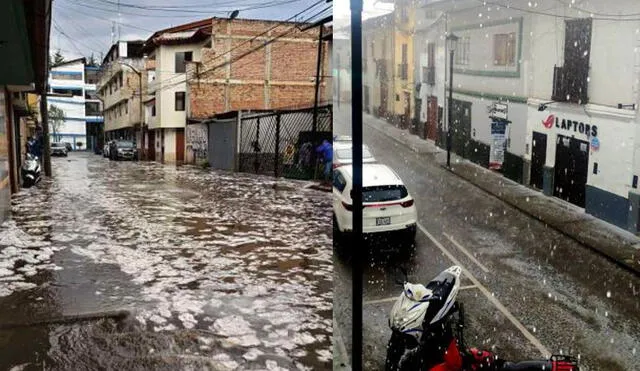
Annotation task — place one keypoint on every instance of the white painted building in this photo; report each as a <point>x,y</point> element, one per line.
<point>169,51</point>
<point>69,91</point>
<point>120,88</point>
<point>545,62</point>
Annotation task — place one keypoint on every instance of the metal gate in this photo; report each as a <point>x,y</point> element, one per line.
<point>282,143</point>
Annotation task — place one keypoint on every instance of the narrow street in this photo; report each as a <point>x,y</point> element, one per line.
<point>219,271</point>
<point>527,289</point>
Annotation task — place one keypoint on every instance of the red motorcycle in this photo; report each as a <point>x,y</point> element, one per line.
<point>427,326</point>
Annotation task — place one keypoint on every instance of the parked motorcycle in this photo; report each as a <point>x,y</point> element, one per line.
<point>31,172</point>
<point>427,326</point>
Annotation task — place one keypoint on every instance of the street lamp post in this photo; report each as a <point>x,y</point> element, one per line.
<point>141,107</point>
<point>452,41</point>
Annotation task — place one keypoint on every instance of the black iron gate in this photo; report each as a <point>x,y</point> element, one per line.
<point>282,143</point>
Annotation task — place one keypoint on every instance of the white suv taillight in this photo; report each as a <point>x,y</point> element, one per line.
<point>407,203</point>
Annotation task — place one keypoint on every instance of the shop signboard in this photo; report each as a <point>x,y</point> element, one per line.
<point>498,141</point>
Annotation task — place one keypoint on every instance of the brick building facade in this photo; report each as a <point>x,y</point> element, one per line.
<point>239,72</point>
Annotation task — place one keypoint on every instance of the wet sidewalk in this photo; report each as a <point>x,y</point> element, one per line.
<point>617,244</point>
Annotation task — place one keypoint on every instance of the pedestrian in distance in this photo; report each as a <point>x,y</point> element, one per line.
<point>326,150</point>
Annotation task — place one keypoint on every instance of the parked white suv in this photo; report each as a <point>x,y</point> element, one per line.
<point>387,204</point>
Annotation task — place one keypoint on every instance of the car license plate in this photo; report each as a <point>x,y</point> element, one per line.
<point>383,221</point>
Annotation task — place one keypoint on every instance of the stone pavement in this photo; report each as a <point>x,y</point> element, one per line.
<point>617,244</point>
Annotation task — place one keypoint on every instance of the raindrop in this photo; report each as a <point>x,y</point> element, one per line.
<point>529,4</point>
<point>588,79</point>
<point>534,329</point>
<point>611,341</point>
<point>527,198</point>
<point>606,314</point>
<point>490,214</point>
<point>481,25</point>
<point>585,53</point>
<point>608,294</point>
<point>633,351</point>
<point>575,43</point>
<point>480,15</point>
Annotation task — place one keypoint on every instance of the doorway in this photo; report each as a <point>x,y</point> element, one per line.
<point>407,111</point>
<point>571,167</point>
<point>180,146</point>
<point>366,99</point>
<point>432,118</point>
<point>461,128</point>
<point>538,159</point>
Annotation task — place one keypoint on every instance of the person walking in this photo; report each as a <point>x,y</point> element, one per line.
<point>326,150</point>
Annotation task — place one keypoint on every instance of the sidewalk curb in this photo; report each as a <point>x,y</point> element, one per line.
<point>340,356</point>
<point>626,256</point>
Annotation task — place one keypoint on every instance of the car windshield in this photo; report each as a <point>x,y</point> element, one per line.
<point>346,153</point>
<point>384,193</point>
<point>125,144</point>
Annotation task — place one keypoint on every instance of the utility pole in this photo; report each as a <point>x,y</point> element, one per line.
<point>46,147</point>
<point>360,250</point>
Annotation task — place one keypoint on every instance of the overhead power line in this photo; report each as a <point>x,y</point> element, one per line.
<point>532,11</point>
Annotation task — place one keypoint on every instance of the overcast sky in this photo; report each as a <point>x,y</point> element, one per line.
<point>83,27</point>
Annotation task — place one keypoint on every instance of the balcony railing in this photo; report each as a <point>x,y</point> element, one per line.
<point>403,69</point>
<point>570,85</point>
<point>429,75</point>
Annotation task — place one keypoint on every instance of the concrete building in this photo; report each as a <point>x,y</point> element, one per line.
<point>248,66</point>
<point>119,86</point>
<point>535,97</point>
<point>377,66</point>
<point>25,28</point>
<point>169,52</point>
<point>76,98</point>
<point>238,72</point>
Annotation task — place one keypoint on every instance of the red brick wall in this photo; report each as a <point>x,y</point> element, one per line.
<point>292,63</point>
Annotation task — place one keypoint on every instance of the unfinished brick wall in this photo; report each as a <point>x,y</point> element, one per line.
<point>279,75</point>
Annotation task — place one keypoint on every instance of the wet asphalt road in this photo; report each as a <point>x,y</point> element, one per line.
<point>569,299</point>
<point>220,271</point>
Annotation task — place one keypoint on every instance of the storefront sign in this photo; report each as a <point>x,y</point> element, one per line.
<point>571,125</point>
<point>498,134</point>
<point>498,111</point>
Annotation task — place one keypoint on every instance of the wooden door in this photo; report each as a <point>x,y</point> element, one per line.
<point>180,146</point>
<point>151,145</point>
<point>432,118</point>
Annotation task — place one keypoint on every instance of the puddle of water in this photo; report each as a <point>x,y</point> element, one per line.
<point>215,267</point>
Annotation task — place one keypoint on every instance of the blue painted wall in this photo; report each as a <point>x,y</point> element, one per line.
<point>607,206</point>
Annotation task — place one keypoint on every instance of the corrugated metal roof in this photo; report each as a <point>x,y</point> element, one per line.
<point>177,35</point>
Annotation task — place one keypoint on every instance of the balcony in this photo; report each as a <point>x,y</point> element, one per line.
<point>570,85</point>
<point>381,69</point>
<point>403,71</point>
<point>429,75</point>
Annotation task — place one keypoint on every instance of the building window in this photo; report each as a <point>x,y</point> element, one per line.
<point>92,108</point>
<point>462,51</point>
<point>180,101</point>
<point>153,110</point>
<point>181,61</point>
<point>504,49</point>
<point>66,76</point>
<point>74,92</point>
<point>126,107</point>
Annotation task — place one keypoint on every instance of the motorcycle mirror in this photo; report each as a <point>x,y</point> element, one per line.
<point>403,277</point>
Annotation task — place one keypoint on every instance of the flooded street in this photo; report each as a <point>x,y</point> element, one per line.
<point>219,271</point>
